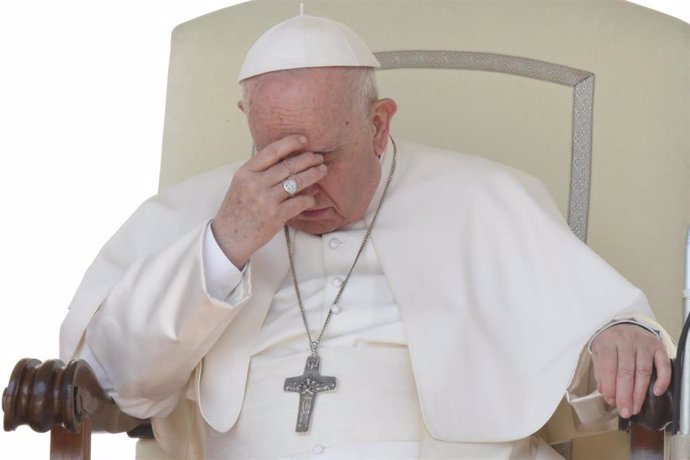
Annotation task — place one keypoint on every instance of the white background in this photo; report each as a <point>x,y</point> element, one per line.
<point>82,93</point>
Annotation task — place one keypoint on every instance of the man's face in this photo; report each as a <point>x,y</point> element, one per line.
<point>316,103</point>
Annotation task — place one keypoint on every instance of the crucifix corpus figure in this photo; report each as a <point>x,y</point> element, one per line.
<point>308,385</point>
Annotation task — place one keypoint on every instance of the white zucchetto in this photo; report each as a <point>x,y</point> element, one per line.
<point>306,41</point>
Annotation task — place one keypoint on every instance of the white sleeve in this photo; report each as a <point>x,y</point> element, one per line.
<point>222,277</point>
<point>158,322</point>
<point>629,320</point>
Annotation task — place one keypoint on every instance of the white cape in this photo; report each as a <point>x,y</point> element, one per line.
<point>504,300</point>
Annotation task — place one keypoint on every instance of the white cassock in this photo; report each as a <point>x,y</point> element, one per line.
<point>459,332</point>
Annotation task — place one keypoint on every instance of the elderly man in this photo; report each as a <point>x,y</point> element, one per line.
<point>436,299</point>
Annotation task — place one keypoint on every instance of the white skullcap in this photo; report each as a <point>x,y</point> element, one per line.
<point>306,41</point>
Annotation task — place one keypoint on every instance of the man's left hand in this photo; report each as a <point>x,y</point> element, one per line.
<point>624,356</point>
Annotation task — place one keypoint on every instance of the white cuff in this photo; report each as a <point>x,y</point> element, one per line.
<point>221,277</point>
<point>615,322</point>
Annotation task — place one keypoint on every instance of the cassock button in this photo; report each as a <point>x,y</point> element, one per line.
<point>318,449</point>
<point>337,282</point>
<point>334,243</point>
<point>335,309</point>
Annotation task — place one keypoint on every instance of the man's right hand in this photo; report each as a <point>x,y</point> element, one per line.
<point>256,206</point>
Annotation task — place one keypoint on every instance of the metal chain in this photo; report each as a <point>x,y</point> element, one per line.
<point>314,344</point>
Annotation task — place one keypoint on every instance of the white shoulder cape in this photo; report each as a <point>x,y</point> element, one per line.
<point>504,298</point>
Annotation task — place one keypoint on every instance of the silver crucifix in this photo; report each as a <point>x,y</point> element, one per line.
<point>308,385</point>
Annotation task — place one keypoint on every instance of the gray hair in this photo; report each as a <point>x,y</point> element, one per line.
<point>360,83</point>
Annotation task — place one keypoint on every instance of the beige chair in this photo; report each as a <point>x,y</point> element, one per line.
<point>591,96</point>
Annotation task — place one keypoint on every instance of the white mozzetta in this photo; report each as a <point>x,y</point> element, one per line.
<point>501,272</point>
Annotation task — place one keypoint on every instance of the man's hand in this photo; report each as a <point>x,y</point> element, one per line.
<point>624,356</point>
<point>256,206</point>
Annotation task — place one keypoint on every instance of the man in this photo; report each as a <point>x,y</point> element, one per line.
<point>342,262</point>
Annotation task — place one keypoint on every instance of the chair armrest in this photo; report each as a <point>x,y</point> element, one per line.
<point>647,427</point>
<point>54,396</point>
<point>656,413</point>
<point>51,394</point>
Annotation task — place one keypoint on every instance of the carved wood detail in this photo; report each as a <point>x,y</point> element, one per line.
<point>50,394</point>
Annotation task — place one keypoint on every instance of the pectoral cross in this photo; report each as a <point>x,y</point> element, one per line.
<point>308,385</point>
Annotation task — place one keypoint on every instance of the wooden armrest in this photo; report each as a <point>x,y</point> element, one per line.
<point>648,426</point>
<point>50,394</point>
<point>68,399</point>
<point>65,399</point>
<point>656,413</point>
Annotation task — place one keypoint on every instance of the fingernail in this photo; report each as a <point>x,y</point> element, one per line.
<point>322,168</point>
<point>625,412</point>
<point>303,139</point>
<point>636,409</point>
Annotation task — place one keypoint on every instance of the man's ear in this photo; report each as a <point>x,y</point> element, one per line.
<point>383,111</point>
<point>240,106</point>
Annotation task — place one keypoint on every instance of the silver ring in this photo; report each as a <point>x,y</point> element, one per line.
<point>290,186</point>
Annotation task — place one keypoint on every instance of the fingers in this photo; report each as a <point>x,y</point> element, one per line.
<point>663,371</point>
<point>303,179</point>
<point>290,167</point>
<point>625,381</point>
<point>276,151</point>
<point>629,399</point>
<point>605,371</point>
<point>256,206</point>
<point>295,205</point>
<point>643,372</point>
<point>285,159</point>
<point>624,358</point>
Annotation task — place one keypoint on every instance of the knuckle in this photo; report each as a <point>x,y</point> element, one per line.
<point>626,372</point>
<point>661,352</point>
<point>271,151</point>
<point>607,367</point>
<point>644,371</point>
<point>289,165</point>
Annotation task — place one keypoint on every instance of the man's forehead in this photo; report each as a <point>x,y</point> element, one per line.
<point>306,104</point>
<point>309,77</point>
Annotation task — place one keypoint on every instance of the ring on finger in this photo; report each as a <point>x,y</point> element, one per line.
<point>290,186</point>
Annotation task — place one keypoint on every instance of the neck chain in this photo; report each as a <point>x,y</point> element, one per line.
<point>311,382</point>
